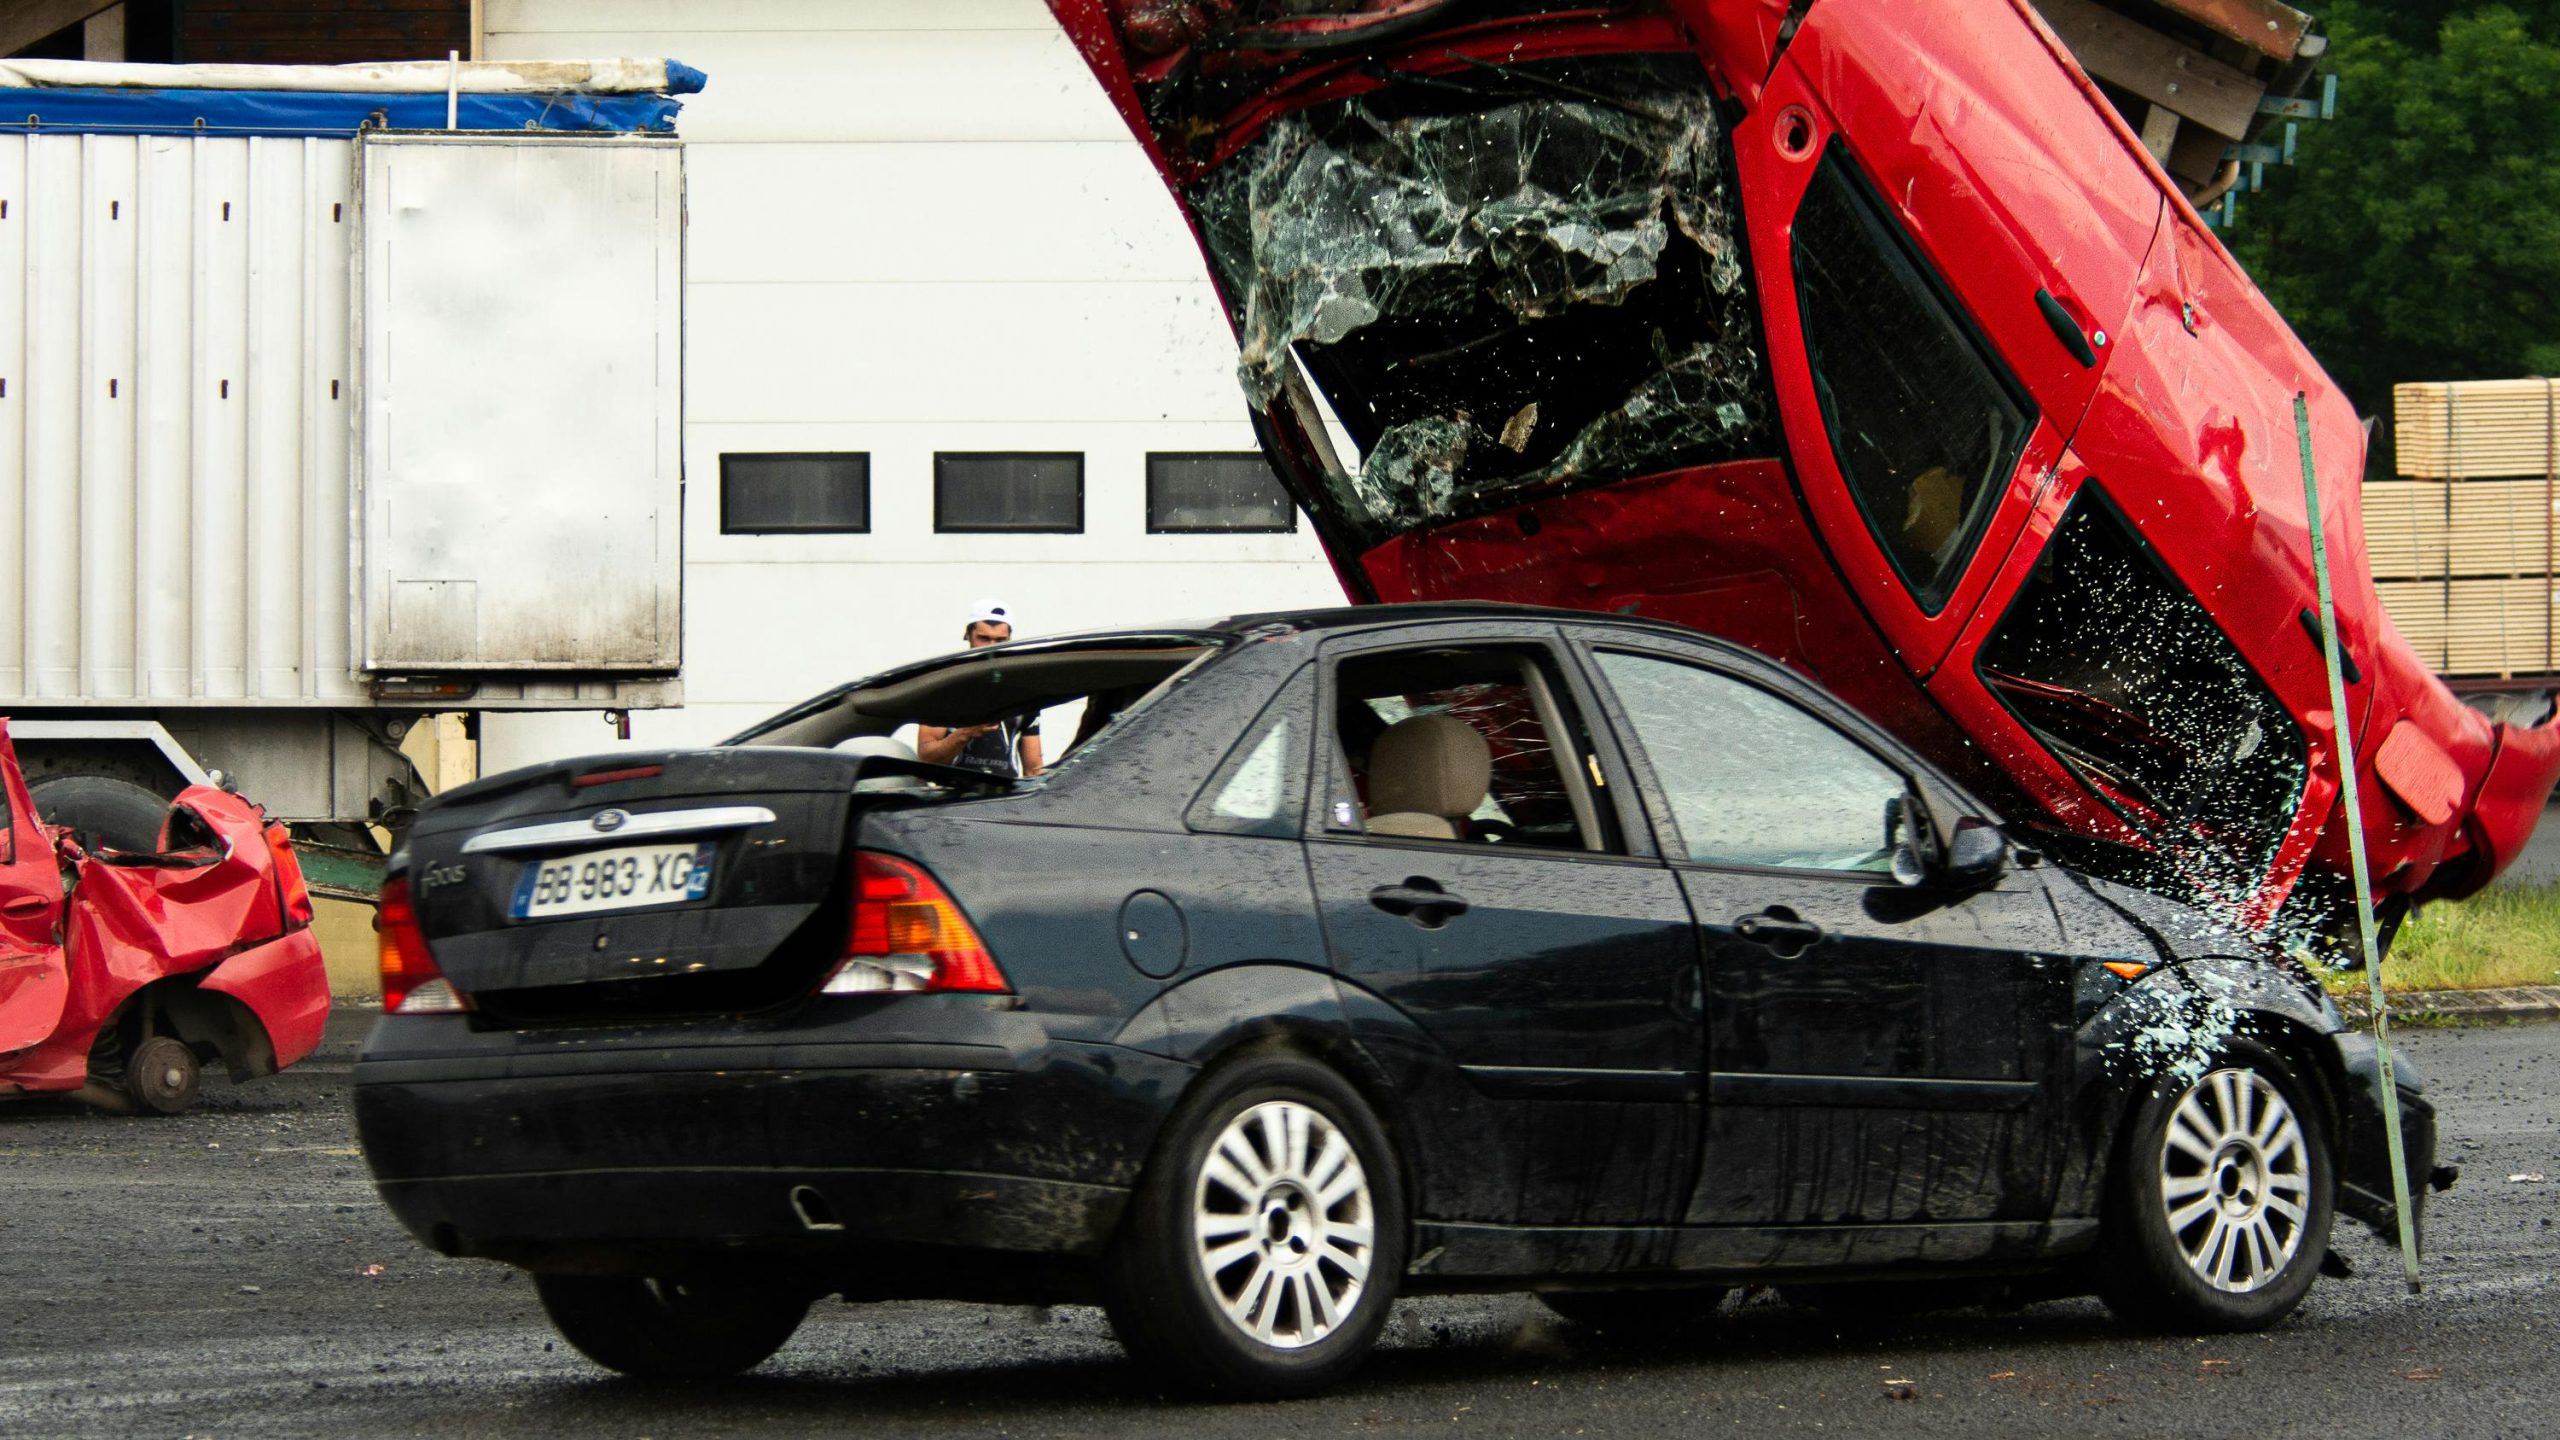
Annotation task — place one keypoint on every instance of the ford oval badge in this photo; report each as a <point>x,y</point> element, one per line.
<point>610,820</point>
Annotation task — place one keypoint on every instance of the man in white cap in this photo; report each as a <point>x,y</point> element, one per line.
<point>1007,747</point>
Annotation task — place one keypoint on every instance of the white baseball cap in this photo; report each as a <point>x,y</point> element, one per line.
<point>991,612</point>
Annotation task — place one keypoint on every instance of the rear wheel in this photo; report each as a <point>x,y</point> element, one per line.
<point>1266,1240</point>
<point>1637,1312</point>
<point>163,1076</point>
<point>2220,1207</point>
<point>659,1329</point>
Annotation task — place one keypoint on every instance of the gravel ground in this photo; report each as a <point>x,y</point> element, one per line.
<point>230,1273</point>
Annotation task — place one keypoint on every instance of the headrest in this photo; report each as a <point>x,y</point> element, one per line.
<point>889,747</point>
<point>1431,764</point>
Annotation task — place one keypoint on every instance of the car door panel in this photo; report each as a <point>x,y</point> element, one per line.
<point>1554,995</point>
<point>1997,232</point>
<point>1896,1070</point>
<point>1876,1053</point>
<point>1560,984</point>
<point>35,982</point>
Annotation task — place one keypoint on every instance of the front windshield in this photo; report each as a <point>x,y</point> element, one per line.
<point>1503,281</point>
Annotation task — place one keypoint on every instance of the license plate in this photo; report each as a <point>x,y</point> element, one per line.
<point>621,879</point>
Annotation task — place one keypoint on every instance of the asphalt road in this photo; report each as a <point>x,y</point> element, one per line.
<point>217,1275</point>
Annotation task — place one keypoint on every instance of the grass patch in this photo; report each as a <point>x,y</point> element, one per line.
<point>2505,935</point>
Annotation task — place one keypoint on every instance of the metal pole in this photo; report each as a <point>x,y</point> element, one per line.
<point>2348,798</point>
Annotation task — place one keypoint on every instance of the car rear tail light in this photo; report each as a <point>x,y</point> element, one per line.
<point>411,983</point>
<point>908,935</point>
<point>291,889</point>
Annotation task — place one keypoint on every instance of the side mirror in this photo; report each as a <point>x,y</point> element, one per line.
<point>1912,840</point>
<point>1977,855</point>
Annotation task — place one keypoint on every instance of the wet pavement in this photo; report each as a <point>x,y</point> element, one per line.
<point>217,1275</point>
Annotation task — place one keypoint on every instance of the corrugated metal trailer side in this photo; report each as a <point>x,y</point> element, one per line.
<point>173,457</point>
<point>176,413</point>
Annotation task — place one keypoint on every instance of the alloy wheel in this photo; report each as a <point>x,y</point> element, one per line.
<point>2235,1180</point>
<point>1283,1224</point>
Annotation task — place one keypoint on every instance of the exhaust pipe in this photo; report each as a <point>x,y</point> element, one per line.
<point>812,1208</point>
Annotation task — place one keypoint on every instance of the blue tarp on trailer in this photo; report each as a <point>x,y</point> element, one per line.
<point>147,110</point>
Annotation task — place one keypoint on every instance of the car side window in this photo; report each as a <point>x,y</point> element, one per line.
<point>1923,422</point>
<point>1464,744</point>
<point>1751,778</point>
<point>1260,789</point>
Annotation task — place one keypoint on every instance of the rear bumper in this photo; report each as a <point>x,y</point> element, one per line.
<point>859,1159</point>
<point>285,984</point>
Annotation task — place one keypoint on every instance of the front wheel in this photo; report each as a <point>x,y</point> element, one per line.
<point>1265,1241</point>
<point>658,1329</point>
<point>2219,1211</point>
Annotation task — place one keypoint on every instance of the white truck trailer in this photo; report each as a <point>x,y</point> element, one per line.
<point>330,397</point>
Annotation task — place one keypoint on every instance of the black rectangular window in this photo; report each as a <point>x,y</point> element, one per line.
<point>795,494</point>
<point>1924,423</point>
<point>1222,493</point>
<point>1020,494</point>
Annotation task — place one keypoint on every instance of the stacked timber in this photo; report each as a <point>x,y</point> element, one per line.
<point>2194,78</point>
<point>2465,546</point>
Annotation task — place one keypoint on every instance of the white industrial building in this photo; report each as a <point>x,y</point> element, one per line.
<point>934,288</point>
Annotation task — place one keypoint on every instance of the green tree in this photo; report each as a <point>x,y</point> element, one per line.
<point>2417,236</point>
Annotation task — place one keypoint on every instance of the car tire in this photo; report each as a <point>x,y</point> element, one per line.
<point>660,1329</point>
<point>1638,1312</point>
<point>1266,1238</point>
<point>116,814</point>
<point>163,1076</point>
<point>2219,1209</point>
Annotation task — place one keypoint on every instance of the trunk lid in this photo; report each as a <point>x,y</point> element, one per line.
<point>505,877</point>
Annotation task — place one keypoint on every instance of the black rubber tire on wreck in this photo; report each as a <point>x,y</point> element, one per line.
<point>671,1329</point>
<point>2219,1209</point>
<point>117,814</point>
<point>1266,1239</point>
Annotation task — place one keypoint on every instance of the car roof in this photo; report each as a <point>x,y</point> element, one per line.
<point>1371,617</point>
<point>1343,619</point>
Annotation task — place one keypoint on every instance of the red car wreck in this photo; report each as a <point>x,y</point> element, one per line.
<point>1862,332</point>
<point>120,974</point>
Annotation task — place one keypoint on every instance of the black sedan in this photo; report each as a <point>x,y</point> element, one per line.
<point>1342,955</point>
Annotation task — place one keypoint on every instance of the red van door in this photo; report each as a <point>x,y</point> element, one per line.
<point>34,981</point>
<point>1947,225</point>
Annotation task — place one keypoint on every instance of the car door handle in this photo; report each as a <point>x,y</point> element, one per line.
<point>22,907</point>
<point>1426,905</point>
<point>2067,330</point>
<point>1777,928</point>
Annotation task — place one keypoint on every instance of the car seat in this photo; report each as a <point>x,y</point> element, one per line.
<point>1426,773</point>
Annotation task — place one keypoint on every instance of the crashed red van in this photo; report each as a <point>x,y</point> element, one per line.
<point>1862,332</point>
<point>121,974</point>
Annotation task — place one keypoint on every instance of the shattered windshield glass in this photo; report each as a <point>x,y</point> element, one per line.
<point>1505,280</point>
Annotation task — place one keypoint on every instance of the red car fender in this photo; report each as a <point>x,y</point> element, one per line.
<point>286,986</point>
